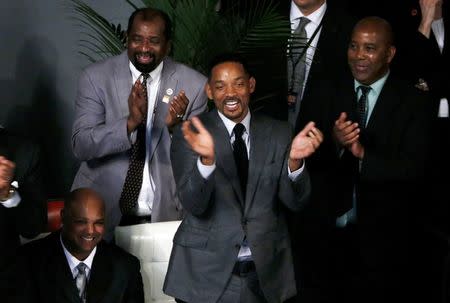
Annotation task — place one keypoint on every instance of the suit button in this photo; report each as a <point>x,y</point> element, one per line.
<point>244,221</point>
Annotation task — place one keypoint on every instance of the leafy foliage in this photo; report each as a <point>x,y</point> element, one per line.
<point>253,28</point>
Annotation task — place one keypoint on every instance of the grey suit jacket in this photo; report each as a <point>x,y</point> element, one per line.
<point>100,140</point>
<point>207,242</point>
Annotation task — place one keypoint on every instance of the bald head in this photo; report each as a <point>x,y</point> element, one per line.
<point>377,25</point>
<point>371,50</point>
<point>83,196</point>
<point>83,219</point>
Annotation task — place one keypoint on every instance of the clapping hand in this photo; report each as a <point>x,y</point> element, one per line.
<point>200,141</point>
<point>304,144</point>
<point>177,109</point>
<point>346,133</point>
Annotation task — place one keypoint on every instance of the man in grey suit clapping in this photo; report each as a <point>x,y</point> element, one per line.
<point>236,173</point>
<point>125,109</point>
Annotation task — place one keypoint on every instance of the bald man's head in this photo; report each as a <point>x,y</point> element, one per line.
<point>371,49</point>
<point>83,219</point>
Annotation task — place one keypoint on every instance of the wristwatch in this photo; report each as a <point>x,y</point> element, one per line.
<point>12,191</point>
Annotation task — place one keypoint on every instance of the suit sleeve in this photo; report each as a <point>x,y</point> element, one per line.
<point>31,214</point>
<point>293,194</point>
<point>92,135</point>
<point>194,191</point>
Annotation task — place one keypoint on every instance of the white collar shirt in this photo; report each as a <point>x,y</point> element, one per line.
<point>73,262</point>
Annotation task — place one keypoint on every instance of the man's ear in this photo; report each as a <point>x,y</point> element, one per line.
<point>208,91</point>
<point>63,215</point>
<point>252,83</point>
<point>391,53</point>
<point>169,47</point>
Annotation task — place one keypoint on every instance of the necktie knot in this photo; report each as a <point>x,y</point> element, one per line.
<point>82,268</point>
<point>145,76</point>
<point>238,130</point>
<point>364,89</point>
<point>303,21</point>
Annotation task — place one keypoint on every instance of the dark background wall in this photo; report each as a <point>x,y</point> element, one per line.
<point>39,68</point>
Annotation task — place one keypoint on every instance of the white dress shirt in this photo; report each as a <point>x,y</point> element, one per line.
<point>73,262</point>
<point>14,200</point>
<point>147,193</point>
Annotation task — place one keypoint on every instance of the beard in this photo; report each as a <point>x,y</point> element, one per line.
<point>144,67</point>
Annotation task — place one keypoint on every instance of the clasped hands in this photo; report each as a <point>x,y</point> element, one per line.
<point>137,105</point>
<point>7,168</point>
<point>303,145</point>
<point>346,133</point>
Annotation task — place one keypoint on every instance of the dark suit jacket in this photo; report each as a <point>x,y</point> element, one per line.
<point>45,274</point>
<point>30,216</point>
<point>420,58</point>
<point>390,182</point>
<point>328,65</point>
<point>207,242</point>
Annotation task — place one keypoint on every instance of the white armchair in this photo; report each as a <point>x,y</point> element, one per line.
<point>152,244</point>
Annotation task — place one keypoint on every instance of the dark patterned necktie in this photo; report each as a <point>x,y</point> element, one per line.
<point>81,281</point>
<point>362,105</point>
<point>240,155</point>
<point>133,180</point>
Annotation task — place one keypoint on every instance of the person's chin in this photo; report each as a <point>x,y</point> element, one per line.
<point>145,68</point>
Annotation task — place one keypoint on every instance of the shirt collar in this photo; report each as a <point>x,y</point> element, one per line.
<point>230,124</point>
<point>154,74</point>
<point>73,262</point>
<point>315,17</point>
<point>376,86</point>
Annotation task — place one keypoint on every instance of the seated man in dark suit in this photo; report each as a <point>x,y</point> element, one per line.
<point>383,130</point>
<point>23,208</point>
<point>74,264</point>
<point>236,176</point>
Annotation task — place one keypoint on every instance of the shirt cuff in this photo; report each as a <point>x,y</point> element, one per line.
<point>296,173</point>
<point>205,170</point>
<point>12,202</point>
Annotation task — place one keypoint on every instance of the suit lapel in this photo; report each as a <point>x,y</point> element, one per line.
<point>123,82</point>
<point>325,42</point>
<point>224,152</point>
<point>168,83</point>
<point>98,282</point>
<point>259,138</point>
<point>58,269</point>
<point>386,102</point>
